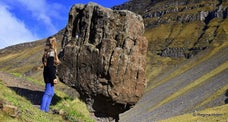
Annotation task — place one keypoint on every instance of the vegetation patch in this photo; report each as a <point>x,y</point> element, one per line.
<point>216,114</point>
<point>187,67</point>
<point>27,112</point>
<point>73,109</point>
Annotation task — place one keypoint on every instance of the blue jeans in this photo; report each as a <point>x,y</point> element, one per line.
<point>47,97</point>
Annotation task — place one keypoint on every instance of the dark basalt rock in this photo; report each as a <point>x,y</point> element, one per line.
<point>104,58</point>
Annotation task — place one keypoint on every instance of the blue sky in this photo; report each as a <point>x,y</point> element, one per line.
<point>28,20</point>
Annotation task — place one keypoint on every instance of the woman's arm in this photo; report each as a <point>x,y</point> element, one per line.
<point>44,60</point>
<point>56,60</point>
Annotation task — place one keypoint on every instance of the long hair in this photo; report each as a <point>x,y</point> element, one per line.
<point>50,44</point>
<point>53,43</point>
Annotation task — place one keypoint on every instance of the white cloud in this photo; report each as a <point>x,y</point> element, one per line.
<point>12,30</point>
<point>44,12</point>
<point>45,20</point>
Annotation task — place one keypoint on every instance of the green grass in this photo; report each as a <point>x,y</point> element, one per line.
<point>27,111</point>
<point>22,60</point>
<point>173,35</point>
<point>38,82</point>
<point>74,109</point>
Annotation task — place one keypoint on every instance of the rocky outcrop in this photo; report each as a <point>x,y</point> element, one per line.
<point>169,10</point>
<point>104,57</point>
<point>10,110</point>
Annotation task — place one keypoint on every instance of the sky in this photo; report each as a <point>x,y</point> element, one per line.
<point>29,20</point>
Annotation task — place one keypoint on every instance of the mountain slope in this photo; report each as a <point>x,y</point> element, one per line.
<point>179,29</point>
<point>194,85</point>
<point>187,60</point>
<point>25,58</point>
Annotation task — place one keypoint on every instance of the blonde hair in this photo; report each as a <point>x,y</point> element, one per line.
<point>51,44</point>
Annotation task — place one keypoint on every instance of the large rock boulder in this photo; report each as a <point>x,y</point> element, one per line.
<point>104,57</point>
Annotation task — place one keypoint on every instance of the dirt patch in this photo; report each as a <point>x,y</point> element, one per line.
<point>23,87</point>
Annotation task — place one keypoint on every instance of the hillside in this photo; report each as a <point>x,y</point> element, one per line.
<point>26,85</point>
<point>179,29</point>
<point>194,85</point>
<point>25,58</point>
<point>20,98</point>
<point>187,60</point>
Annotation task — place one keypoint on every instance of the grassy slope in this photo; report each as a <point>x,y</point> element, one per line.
<point>22,60</point>
<point>74,109</point>
<point>24,106</point>
<point>178,34</point>
<point>25,60</point>
<point>185,35</point>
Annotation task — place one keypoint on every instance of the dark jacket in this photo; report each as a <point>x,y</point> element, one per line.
<point>49,71</point>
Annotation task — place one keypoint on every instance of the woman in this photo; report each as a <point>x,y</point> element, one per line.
<point>50,60</point>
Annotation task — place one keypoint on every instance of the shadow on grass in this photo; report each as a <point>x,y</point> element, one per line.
<point>34,97</point>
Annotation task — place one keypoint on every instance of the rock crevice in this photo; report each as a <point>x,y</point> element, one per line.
<point>104,57</point>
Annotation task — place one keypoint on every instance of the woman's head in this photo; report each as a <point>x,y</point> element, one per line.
<point>51,42</point>
<point>51,45</point>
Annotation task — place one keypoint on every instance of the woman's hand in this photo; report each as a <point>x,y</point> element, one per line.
<point>55,81</point>
<point>57,62</point>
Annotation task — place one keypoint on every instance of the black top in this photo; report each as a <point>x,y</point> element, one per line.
<point>49,72</point>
